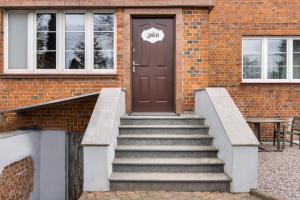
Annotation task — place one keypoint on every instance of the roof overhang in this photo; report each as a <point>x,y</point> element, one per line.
<point>46,4</point>
<point>52,103</point>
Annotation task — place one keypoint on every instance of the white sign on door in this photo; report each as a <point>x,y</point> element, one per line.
<point>153,35</point>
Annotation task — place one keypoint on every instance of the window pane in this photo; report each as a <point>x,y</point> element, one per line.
<point>46,41</point>
<point>277,66</point>
<point>74,59</point>
<point>296,70</point>
<point>46,22</point>
<point>103,22</point>
<point>277,61</point>
<point>103,41</point>
<point>276,45</point>
<point>103,60</point>
<point>252,46</point>
<point>252,58</point>
<point>17,41</point>
<point>75,41</point>
<point>296,46</point>
<point>252,66</point>
<point>75,22</point>
<point>46,60</point>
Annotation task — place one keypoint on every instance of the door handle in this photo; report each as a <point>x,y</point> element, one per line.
<point>134,65</point>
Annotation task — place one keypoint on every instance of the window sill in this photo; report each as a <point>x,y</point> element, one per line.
<point>56,76</point>
<point>270,81</point>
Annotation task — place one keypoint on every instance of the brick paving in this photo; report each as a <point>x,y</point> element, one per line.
<point>161,195</point>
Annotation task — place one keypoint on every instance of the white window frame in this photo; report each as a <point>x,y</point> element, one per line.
<point>60,44</point>
<point>264,68</point>
<point>34,36</point>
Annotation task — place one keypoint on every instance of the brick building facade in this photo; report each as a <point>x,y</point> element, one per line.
<point>16,180</point>
<point>208,52</point>
<point>212,34</point>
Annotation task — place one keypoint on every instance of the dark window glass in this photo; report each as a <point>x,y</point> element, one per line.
<point>103,41</point>
<point>296,59</point>
<point>46,60</point>
<point>46,41</point>
<point>75,59</point>
<point>104,60</point>
<point>46,22</point>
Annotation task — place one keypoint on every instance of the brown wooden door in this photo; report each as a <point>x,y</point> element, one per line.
<point>153,64</point>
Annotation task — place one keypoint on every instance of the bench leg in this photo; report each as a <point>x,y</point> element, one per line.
<point>291,141</point>
<point>283,144</point>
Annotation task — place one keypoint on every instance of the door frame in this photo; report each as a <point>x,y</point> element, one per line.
<point>174,54</point>
<point>176,14</point>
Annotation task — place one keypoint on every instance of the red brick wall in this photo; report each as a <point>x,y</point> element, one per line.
<point>195,54</point>
<point>16,180</point>
<point>229,21</point>
<point>19,90</point>
<point>71,117</point>
<point>211,57</point>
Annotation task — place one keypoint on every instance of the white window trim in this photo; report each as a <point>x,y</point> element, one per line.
<point>264,69</point>
<point>60,44</point>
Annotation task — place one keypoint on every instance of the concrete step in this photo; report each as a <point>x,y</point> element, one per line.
<point>188,165</point>
<point>163,120</point>
<point>164,139</point>
<point>163,129</point>
<point>174,151</point>
<point>210,182</point>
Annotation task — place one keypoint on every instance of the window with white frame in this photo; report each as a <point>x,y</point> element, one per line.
<point>60,42</point>
<point>271,59</point>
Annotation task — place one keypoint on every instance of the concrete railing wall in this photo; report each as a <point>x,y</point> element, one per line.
<point>238,146</point>
<point>47,149</point>
<point>100,139</point>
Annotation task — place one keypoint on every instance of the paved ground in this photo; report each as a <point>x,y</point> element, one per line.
<point>164,196</point>
<point>279,173</point>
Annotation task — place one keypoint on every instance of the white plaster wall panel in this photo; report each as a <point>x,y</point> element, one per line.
<point>52,165</point>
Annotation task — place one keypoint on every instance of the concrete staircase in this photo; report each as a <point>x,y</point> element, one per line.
<point>166,153</point>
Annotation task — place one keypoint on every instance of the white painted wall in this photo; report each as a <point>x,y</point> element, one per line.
<point>47,148</point>
<point>52,165</point>
<point>238,146</point>
<point>100,139</point>
<point>18,145</point>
